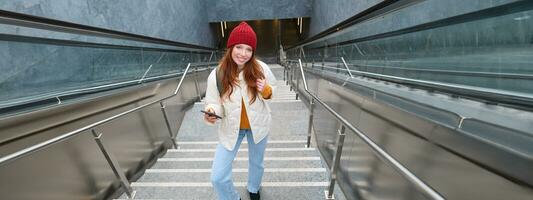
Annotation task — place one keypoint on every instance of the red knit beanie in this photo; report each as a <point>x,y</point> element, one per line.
<point>242,34</point>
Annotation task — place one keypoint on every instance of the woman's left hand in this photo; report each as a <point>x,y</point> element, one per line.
<point>260,84</point>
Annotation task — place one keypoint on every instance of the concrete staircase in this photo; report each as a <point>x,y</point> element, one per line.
<point>292,171</point>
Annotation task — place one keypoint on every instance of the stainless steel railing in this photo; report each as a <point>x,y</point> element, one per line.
<point>376,149</point>
<point>513,99</point>
<point>97,136</point>
<point>59,95</point>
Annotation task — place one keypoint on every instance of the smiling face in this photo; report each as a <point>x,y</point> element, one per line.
<point>241,54</point>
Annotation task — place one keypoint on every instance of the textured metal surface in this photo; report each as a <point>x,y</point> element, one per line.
<point>422,138</point>
<point>76,168</point>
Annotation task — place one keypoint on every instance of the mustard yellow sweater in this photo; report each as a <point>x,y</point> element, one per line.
<point>245,123</point>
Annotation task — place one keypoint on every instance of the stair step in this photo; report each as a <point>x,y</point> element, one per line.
<point>203,190</point>
<point>243,152</point>
<point>270,162</point>
<point>239,175</point>
<point>289,106</point>
<point>288,94</point>
<point>150,171</point>
<point>244,145</point>
<point>283,100</point>
<point>284,93</point>
<point>290,97</point>
<point>280,149</point>
<point>237,184</point>
<point>276,133</point>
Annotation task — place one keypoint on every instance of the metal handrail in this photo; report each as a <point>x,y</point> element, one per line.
<point>456,115</point>
<point>455,72</point>
<point>497,95</point>
<point>382,154</point>
<point>523,100</point>
<point>100,87</point>
<point>24,152</point>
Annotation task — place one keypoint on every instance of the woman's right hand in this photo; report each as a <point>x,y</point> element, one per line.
<point>210,119</point>
<point>260,84</point>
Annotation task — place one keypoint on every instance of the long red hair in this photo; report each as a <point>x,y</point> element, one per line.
<point>252,71</point>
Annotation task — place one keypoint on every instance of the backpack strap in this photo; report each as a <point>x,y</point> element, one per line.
<point>219,73</point>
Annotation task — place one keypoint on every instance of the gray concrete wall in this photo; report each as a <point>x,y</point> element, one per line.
<point>327,13</point>
<point>240,10</point>
<point>415,14</point>
<point>176,20</point>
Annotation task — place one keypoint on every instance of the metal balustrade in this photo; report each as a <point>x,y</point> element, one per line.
<point>376,149</point>
<point>112,161</point>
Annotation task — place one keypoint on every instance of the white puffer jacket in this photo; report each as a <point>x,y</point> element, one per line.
<point>230,110</point>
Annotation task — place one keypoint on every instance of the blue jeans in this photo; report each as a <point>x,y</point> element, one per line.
<point>222,167</point>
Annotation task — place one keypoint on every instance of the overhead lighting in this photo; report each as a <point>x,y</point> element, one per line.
<point>301,24</point>
<point>522,18</point>
<point>225,26</point>
<point>222,29</point>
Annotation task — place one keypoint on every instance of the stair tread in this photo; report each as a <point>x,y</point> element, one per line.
<point>267,192</point>
<point>240,154</point>
<point>239,163</point>
<point>239,175</point>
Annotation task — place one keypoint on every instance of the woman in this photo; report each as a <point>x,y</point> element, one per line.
<point>246,85</point>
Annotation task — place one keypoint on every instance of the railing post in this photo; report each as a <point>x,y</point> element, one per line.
<point>310,126</point>
<point>335,165</point>
<point>174,143</point>
<point>297,87</point>
<point>291,76</point>
<point>114,165</point>
<point>196,83</point>
<point>346,66</point>
<point>145,72</point>
<point>294,73</point>
<point>211,56</point>
<point>284,73</point>
<point>182,78</point>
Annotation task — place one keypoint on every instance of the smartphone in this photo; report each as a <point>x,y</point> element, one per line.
<point>211,114</point>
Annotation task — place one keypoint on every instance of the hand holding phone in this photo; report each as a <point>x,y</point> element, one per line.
<point>210,115</point>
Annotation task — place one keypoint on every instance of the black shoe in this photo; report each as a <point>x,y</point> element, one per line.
<point>254,196</point>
